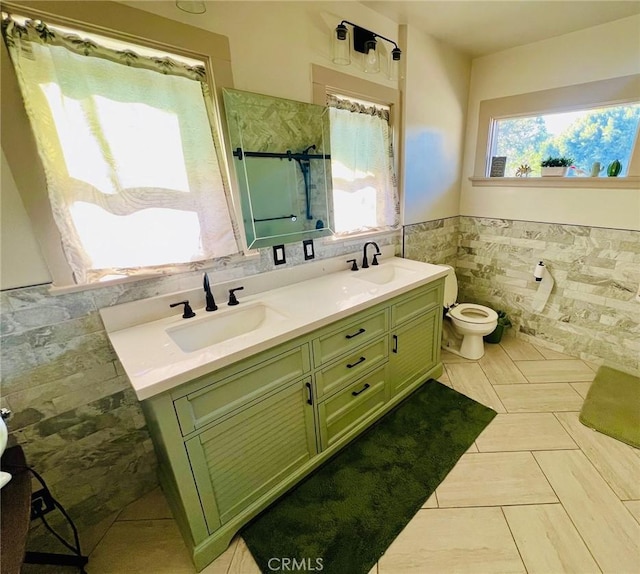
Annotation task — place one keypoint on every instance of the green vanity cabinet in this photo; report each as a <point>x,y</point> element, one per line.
<point>240,458</point>
<point>416,332</point>
<point>231,442</point>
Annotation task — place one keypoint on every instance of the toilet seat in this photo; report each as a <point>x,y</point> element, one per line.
<point>472,313</point>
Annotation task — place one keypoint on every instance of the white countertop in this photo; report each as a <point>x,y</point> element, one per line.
<point>155,364</point>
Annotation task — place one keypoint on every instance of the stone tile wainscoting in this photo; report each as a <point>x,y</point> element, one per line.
<point>74,412</point>
<point>433,241</point>
<point>591,313</point>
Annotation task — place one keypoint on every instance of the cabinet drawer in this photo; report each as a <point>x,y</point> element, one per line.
<point>225,395</point>
<point>341,413</point>
<point>349,334</point>
<point>417,302</point>
<point>334,377</point>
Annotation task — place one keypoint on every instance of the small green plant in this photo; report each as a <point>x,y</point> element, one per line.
<point>556,162</point>
<point>503,319</point>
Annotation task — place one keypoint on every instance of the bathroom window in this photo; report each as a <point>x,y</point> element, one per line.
<point>364,119</point>
<point>586,136</point>
<point>595,122</point>
<point>365,196</point>
<point>129,144</point>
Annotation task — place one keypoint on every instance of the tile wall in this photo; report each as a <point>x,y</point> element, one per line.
<point>74,411</point>
<point>591,312</point>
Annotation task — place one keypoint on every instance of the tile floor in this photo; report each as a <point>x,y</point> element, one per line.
<point>538,492</point>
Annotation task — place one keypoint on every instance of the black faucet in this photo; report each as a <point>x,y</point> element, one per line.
<point>232,296</point>
<point>211,303</point>
<point>188,311</point>
<point>365,261</point>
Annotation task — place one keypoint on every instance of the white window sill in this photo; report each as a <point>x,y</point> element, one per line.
<point>630,182</point>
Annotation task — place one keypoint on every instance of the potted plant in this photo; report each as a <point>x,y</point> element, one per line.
<point>496,335</point>
<point>555,166</point>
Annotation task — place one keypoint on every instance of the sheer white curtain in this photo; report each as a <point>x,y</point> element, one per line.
<point>126,142</point>
<point>365,196</point>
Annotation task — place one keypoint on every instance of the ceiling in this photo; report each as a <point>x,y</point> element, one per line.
<point>482,27</point>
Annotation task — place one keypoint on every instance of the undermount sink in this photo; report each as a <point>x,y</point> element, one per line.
<point>384,273</point>
<point>222,325</point>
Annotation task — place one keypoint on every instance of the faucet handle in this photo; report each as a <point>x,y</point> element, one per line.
<point>375,258</point>
<point>354,267</point>
<point>233,300</point>
<point>188,311</point>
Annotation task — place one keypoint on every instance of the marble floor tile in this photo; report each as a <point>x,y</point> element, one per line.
<point>552,355</point>
<point>222,563</point>
<point>548,541</point>
<point>547,397</point>
<point>469,379</point>
<point>581,388</point>
<point>499,367</point>
<point>444,378</point>
<point>604,523</point>
<point>561,371</point>
<point>140,547</point>
<point>90,537</point>
<point>494,479</point>
<point>151,506</point>
<point>524,431</point>
<point>453,540</point>
<point>243,561</point>
<point>448,357</point>
<point>617,462</point>
<point>520,350</point>
<point>431,502</point>
<point>633,506</point>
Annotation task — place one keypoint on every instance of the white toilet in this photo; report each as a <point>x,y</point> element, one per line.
<point>469,321</point>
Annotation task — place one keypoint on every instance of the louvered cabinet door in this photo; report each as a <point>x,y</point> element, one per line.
<point>414,350</point>
<point>242,458</point>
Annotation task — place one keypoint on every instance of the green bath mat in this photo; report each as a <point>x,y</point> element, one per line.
<point>342,518</point>
<point>612,406</point>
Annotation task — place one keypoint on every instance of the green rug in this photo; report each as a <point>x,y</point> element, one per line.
<point>342,518</point>
<point>612,405</point>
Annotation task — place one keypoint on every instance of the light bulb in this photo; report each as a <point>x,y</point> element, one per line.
<point>371,62</point>
<point>340,46</point>
<point>394,64</point>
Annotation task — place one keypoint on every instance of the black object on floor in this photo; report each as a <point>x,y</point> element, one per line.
<point>343,517</point>
<point>19,506</point>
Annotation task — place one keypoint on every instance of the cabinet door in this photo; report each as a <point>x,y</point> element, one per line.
<point>240,459</point>
<point>414,350</point>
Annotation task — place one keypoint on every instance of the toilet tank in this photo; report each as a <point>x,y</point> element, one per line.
<point>450,287</point>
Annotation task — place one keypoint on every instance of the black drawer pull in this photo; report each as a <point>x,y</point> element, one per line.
<point>310,399</point>
<point>395,343</point>
<point>360,360</point>
<point>362,390</point>
<point>358,332</point>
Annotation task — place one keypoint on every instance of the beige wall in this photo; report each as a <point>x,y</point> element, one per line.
<point>273,45</point>
<point>602,52</point>
<point>20,260</point>
<point>435,98</point>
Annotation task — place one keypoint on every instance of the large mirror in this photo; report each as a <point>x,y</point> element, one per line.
<point>282,165</point>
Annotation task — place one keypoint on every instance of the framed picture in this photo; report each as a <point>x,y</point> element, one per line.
<point>498,164</point>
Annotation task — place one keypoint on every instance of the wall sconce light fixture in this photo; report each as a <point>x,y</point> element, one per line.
<point>364,41</point>
<point>193,7</point>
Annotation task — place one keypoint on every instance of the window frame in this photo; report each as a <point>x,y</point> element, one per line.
<point>326,80</point>
<point>120,23</point>
<point>621,90</point>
